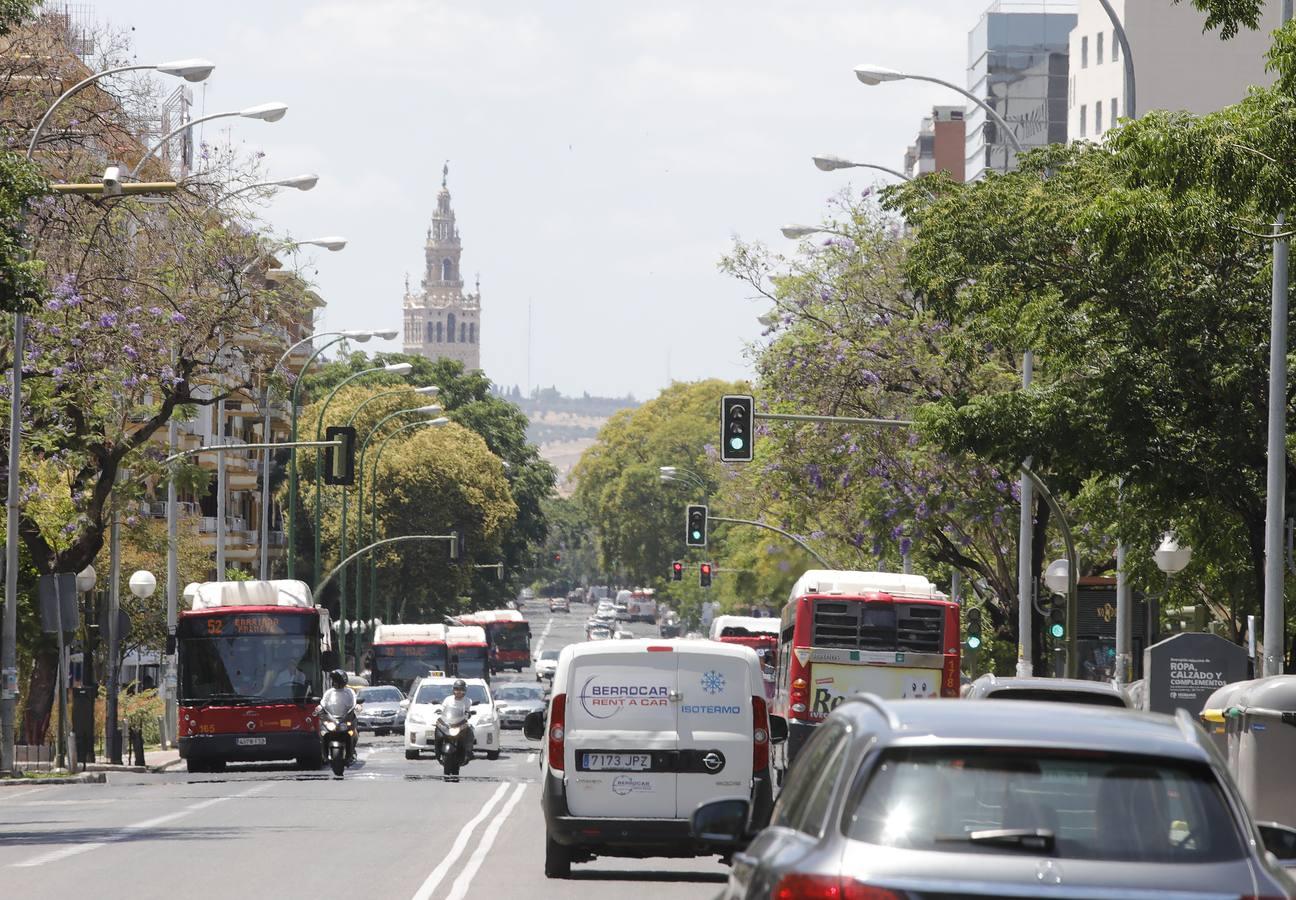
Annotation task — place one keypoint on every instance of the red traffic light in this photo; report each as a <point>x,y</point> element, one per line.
<point>704,575</point>
<point>677,571</point>
<point>557,557</point>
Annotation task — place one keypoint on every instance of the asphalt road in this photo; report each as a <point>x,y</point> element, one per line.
<point>391,828</point>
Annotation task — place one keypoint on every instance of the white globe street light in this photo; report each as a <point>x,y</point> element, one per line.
<point>143,584</point>
<point>1058,576</point>
<point>1170,557</point>
<point>86,579</point>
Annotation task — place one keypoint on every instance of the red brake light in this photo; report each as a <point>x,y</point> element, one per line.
<point>796,886</point>
<point>659,648</point>
<point>760,735</point>
<point>557,730</point>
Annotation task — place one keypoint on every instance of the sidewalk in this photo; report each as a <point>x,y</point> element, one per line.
<point>154,761</point>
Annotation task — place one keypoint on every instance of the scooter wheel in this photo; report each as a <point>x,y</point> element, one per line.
<point>492,754</point>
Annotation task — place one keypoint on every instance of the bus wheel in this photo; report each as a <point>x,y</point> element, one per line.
<point>309,763</point>
<point>194,766</point>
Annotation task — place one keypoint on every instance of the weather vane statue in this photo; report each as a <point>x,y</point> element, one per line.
<point>445,172</point>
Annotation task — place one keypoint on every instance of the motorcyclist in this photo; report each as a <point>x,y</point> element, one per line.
<point>340,696</point>
<point>454,710</point>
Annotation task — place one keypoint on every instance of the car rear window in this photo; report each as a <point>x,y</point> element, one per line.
<point>1093,698</point>
<point>1095,807</point>
<point>381,695</point>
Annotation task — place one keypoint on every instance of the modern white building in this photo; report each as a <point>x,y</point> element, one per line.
<point>1177,66</point>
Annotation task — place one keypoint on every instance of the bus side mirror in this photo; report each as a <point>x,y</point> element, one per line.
<point>534,726</point>
<point>778,729</point>
<point>329,660</point>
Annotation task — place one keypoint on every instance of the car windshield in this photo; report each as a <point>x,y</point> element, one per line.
<point>436,693</point>
<point>1093,807</point>
<point>381,695</point>
<point>549,654</point>
<point>1093,698</point>
<point>520,692</point>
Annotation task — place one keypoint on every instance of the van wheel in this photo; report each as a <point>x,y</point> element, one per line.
<point>557,859</point>
<point>492,754</point>
<point>411,754</point>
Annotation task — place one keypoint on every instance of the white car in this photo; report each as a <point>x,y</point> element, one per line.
<point>546,663</point>
<point>424,706</point>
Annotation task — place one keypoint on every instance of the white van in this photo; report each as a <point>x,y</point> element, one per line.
<point>638,734</point>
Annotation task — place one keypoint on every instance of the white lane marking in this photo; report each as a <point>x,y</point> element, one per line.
<point>456,849</point>
<point>127,830</point>
<point>23,793</point>
<point>539,645</point>
<point>67,802</point>
<point>460,889</point>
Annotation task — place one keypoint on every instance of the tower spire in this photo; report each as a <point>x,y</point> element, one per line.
<point>445,172</point>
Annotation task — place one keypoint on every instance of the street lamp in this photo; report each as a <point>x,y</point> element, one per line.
<point>391,369</point>
<point>192,70</point>
<point>299,182</point>
<point>833,163</point>
<point>438,422</point>
<point>793,232</point>
<point>265,112</point>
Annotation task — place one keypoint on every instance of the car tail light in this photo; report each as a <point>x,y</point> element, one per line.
<point>557,730</point>
<point>797,886</point>
<point>760,735</point>
<point>950,676</point>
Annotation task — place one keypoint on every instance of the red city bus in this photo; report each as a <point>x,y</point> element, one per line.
<point>508,634</point>
<point>251,657</point>
<point>469,651</point>
<point>401,653</point>
<point>843,633</point>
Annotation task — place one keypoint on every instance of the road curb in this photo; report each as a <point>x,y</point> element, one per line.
<point>167,766</point>
<point>86,778</point>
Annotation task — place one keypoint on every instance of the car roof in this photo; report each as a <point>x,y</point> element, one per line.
<point>992,684</point>
<point>450,679</point>
<point>629,645</point>
<point>1025,723</point>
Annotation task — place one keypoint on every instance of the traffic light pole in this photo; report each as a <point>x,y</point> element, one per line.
<point>452,539</point>
<point>1073,573</point>
<point>791,537</point>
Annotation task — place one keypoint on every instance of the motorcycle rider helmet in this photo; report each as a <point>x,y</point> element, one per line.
<point>338,679</point>
<point>459,685</point>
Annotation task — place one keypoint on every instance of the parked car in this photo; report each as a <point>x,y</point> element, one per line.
<point>380,709</point>
<point>514,701</point>
<point>639,733</point>
<point>546,662</point>
<point>559,604</point>
<point>1056,690</point>
<point>424,705</point>
<point>945,798</point>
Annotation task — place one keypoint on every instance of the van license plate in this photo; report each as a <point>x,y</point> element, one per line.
<point>250,742</point>
<point>617,762</point>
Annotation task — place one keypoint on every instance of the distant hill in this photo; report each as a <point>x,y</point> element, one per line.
<point>561,426</point>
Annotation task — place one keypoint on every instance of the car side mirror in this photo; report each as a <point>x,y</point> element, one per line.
<point>778,729</point>
<point>1280,840</point>
<point>404,704</point>
<point>721,824</point>
<point>359,702</point>
<point>534,726</point>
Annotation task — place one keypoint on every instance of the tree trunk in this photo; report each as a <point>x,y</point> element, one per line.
<point>41,689</point>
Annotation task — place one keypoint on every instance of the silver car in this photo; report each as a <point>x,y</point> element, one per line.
<point>1055,690</point>
<point>942,798</point>
<point>380,710</point>
<point>514,701</point>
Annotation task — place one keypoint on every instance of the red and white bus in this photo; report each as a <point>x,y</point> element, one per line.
<point>843,633</point>
<point>251,657</point>
<point>469,651</point>
<point>508,634</point>
<point>401,653</point>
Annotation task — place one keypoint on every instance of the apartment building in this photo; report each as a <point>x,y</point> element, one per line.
<point>939,145</point>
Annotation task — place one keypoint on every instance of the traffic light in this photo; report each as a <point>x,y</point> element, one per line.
<point>695,526</point>
<point>677,571</point>
<point>457,549</point>
<point>339,462</point>
<point>737,427</point>
<point>1057,621</point>
<point>973,629</point>
<point>704,575</point>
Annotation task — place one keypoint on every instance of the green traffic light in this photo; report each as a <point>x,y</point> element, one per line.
<point>1056,630</point>
<point>736,443</point>
<point>697,535</point>
<point>973,642</point>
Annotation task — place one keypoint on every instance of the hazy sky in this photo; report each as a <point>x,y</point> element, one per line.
<point>603,154</point>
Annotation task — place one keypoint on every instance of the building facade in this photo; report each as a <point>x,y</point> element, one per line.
<point>441,321</point>
<point>1017,64</point>
<point>939,146</point>
<point>1177,66</point>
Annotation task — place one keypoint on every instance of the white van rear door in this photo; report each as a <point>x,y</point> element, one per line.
<point>621,737</point>
<point>715,728</point>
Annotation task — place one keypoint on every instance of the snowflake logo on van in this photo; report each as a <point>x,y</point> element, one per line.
<point>713,682</point>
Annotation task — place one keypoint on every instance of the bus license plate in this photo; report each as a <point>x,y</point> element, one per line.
<point>249,741</point>
<point>617,762</point>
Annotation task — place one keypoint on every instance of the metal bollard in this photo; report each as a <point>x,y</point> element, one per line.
<point>137,745</point>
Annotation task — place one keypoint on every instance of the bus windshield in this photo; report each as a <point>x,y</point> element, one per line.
<point>400,664</point>
<point>470,662</point>
<point>511,636</point>
<point>248,668</point>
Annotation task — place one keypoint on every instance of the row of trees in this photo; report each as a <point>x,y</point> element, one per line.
<point>1137,270</point>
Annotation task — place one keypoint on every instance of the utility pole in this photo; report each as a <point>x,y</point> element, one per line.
<point>220,492</point>
<point>111,733</point>
<point>1025,551</point>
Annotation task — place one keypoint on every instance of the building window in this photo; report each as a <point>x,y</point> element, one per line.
<point>428,339</point>
<point>1084,110</point>
<point>438,340</point>
<point>450,324</point>
<point>1115,113</point>
<point>472,332</point>
<point>1084,52</point>
<point>1115,47</point>
<point>1098,118</point>
<point>463,332</point>
<point>445,269</point>
<point>1098,50</point>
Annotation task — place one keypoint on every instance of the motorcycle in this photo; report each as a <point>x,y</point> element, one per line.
<point>454,744</point>
<point>338,730</point>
